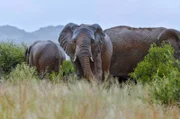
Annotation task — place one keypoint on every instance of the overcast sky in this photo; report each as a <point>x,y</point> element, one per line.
<point>32,14</point>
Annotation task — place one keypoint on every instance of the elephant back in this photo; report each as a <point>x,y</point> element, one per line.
<point>127,34</point>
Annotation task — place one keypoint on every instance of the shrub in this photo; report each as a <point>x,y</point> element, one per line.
<point>159,62</point>
<point>10,55</point>
<point>160,71</point>
<point>166,90</point>
<point>65,70</point>
<point>67,67</point>
<point>22,72</point>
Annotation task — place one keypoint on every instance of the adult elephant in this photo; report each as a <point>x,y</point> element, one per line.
<point>89,48</point>
<point>130,45</point>
<point>45,56</point>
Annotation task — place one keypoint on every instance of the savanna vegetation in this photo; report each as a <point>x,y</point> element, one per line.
<point>24,96</point>
<point>11,54</point>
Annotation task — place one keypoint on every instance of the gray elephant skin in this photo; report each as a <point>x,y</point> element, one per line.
<point>45,56</point>
<point>89,48</point>
<point>130,45</point>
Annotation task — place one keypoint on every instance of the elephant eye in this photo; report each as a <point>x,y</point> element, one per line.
<point>74,41</point>
<point>92,40</point>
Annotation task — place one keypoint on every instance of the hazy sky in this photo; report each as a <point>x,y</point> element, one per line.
<point>32,14</point>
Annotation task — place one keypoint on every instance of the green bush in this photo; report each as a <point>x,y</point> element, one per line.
<point>160,71</point>
<point>159,62</point>
<point>65,70</point>
<point>10,55</point>
<point>67,67</point>
<point>22,72</point>
<point>166,90</point>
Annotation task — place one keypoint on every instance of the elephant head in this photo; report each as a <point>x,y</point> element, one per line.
<point>172,37</point>
<point>83,44</point>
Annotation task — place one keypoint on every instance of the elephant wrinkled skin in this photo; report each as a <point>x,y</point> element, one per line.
<point>45,56</point>
<point>89,48</point>
<point>130,45</point>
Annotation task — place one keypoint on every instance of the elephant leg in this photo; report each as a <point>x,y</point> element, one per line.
<point>42,68</point>
<point>56,65</point>
<point>106,61</point>
<point>78,68</point>
<point>98,67</point>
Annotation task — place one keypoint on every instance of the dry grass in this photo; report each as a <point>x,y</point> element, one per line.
<point>30,99</point>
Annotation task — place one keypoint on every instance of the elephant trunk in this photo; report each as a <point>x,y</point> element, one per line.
<point>85,64</point>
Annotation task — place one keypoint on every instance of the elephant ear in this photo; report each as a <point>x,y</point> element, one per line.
<point>65,38</point>
<point>178,33</point>
<point>168,34</point>
<point>98,32</point>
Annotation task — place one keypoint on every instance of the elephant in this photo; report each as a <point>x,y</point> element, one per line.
<point>130,45</point>
<point>45,56</point>
<point>89,49</point>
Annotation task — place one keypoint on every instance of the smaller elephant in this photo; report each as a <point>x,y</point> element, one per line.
<point>89,48</point>
<point>45,56</point>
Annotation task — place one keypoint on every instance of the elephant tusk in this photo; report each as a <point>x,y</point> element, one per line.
<point>91,59</point>
<point>74,59</point>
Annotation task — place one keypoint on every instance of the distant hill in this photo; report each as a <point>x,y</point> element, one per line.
<point>11,33</point>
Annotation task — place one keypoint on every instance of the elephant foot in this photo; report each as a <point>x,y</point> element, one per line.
<point>124,79</point>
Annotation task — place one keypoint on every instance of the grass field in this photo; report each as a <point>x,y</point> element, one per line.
<point>34,99</point>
